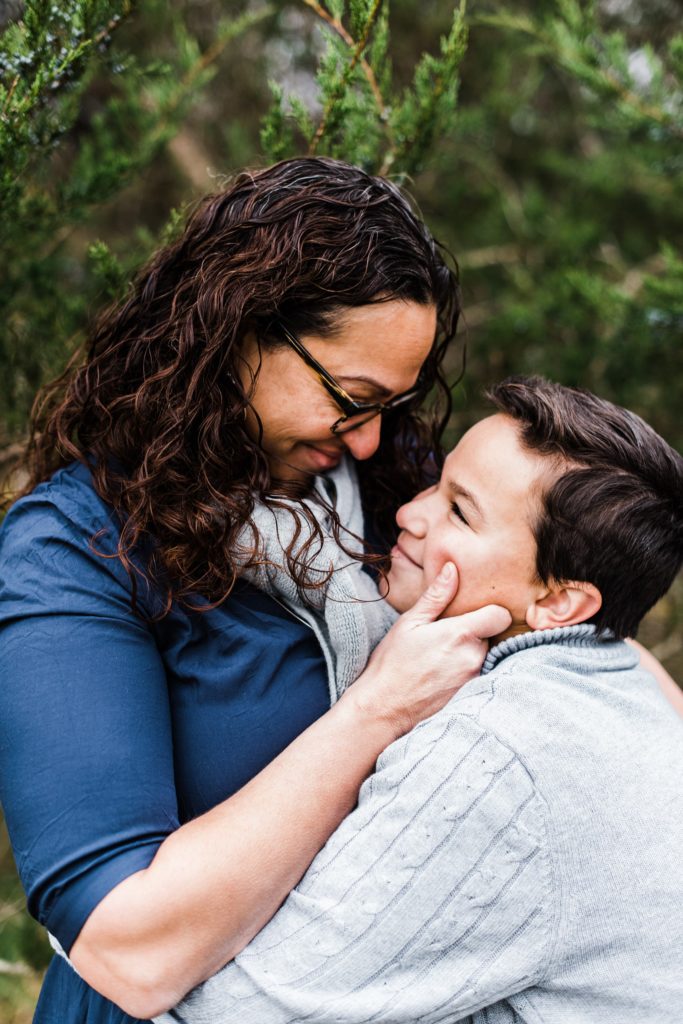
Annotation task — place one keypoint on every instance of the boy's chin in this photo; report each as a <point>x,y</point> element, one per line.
<point>393,594</point>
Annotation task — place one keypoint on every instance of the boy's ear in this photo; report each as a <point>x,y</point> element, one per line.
<point>565,605</point>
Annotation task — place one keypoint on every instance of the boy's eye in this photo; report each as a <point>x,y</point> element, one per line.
<point>458,511</point>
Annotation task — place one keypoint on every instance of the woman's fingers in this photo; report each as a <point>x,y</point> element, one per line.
<point>436,598</point>
<point>485,622</point>
<point>424,659</point>
<point>482,623</point>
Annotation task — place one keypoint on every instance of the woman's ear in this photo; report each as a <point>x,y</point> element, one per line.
<point>565,605</point>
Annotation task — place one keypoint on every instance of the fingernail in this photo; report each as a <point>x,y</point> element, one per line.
<point>446,573</point>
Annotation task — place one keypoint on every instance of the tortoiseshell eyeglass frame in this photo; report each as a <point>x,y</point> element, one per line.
<point>350,408</point>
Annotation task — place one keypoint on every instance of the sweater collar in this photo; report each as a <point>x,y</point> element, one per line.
<point>583,635</point>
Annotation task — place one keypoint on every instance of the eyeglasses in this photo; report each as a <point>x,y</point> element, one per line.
<point>355,413</point>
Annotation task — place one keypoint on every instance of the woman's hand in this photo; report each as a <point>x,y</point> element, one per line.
<point>422,662</point>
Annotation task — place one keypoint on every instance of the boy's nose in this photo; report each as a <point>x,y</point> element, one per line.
<point>411,516</point>
<point>364,440</point>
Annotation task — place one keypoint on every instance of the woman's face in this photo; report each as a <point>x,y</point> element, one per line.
<point>375,353</point>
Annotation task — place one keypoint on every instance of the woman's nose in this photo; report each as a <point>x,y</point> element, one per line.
<point>364,440</point>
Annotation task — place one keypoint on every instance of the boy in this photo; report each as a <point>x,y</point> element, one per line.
<point>517,857</point>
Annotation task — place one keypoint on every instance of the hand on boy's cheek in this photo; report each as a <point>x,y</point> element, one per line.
<point>514,627</point>
<point>404,595</point>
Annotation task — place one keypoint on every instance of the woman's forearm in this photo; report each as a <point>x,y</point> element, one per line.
<point>218,879</point>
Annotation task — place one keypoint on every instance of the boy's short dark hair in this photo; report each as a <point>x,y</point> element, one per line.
<point>615,517</point>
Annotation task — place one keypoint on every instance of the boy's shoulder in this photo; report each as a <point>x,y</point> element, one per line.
<point>532,667</point>
<point>566,694</point>
<point>570,703</point>
<point>559,671</point>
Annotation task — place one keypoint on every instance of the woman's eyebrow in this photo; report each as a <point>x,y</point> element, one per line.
<point>381,390</point>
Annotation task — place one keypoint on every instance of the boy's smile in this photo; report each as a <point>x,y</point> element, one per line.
<point>480,516</point>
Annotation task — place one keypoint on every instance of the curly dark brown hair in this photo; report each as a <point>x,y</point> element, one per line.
<point>157,409</point>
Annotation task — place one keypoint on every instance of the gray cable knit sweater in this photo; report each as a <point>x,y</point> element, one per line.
<point>517,857</point>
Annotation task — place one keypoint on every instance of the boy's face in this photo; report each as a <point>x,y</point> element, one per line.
<point>480,517</point>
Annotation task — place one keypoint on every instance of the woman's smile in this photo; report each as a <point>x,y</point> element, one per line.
<point>322,457</point>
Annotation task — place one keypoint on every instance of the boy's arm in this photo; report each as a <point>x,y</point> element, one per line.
<point>669,686</point>
<point>432,900</point>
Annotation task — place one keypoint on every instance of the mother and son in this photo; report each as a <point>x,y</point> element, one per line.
<point>516,854</point>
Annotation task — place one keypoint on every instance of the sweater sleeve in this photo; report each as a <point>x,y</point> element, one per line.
<point>432,900</point>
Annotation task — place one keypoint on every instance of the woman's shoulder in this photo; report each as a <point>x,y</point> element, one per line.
<point>65,505</point>
<point>60,541</point>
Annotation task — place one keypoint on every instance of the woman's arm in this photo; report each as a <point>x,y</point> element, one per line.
<point>217,880</point>
<point>668,686</point>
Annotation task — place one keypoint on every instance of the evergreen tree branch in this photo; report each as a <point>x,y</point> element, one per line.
<point>491,256</point>
<point>575,64</point>
<point>105,34</point>
<point>345,76</point>
<point>336,24</point>
<point>167,113</point>
<point>10,94</point>
<point>35,98</point>
<point>430,105</point>
<point>40,105</point>
<point>207,59</point>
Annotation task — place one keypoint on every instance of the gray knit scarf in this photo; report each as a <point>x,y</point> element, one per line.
<point>347,614</point>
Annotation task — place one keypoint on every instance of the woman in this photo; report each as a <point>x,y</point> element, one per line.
<point>169,760</point>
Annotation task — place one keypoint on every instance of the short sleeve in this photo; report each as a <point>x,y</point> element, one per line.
<point>432,900</point>
<point>86,766</point>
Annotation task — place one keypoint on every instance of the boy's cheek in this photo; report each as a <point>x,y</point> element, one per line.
<point>402,590</point>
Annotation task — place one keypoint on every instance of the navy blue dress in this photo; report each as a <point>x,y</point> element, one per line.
<point>114,731</point>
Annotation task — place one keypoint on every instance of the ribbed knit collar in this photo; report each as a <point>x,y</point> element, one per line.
<point>583,635</point>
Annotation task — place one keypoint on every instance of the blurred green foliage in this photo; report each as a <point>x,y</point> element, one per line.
<point>542,140</point>
<point>24,951</point>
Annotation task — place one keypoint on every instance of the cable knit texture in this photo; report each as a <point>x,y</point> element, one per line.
<point>515,858</point>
